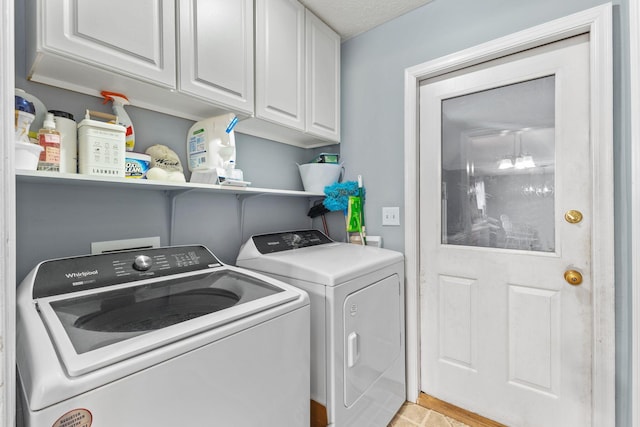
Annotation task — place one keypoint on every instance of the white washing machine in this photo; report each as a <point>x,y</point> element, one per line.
<point>160,337</point>
<point>357,320</point>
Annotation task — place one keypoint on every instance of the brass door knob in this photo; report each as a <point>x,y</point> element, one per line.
<point>573,277</point>
<point>573,216</point>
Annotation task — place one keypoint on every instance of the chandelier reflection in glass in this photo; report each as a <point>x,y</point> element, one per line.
<point>544,190</point>
<point>519,161</point>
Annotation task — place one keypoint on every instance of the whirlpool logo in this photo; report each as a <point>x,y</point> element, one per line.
<point>81,274</point>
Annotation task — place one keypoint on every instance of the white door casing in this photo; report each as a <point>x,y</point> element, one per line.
<point>7,218</point>
<point>634,84</point>
<point>498,321</point>
<point>596,22</point>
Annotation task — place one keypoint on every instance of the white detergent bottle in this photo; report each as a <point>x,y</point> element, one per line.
<point>119,101</point>
<point>211,144</point>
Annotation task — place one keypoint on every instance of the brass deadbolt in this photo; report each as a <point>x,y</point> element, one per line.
<point>573,216</point>
<point>573,277</point>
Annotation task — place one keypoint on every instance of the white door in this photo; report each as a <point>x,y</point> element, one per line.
<point>504,155</point>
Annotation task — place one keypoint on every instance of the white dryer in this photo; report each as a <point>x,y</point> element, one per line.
<point>160,337</point>
<point>357,320</point>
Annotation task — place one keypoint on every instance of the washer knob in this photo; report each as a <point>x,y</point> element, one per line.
<point>142,263</point>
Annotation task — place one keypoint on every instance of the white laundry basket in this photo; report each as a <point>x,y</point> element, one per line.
<point>316,176</point>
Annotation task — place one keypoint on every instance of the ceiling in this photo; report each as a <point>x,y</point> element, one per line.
<point>352,17</point>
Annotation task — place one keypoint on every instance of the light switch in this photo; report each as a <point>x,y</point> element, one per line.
<point>391,215</point>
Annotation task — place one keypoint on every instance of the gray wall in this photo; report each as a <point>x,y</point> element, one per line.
<point>59,220</point>
<point>373,115</point>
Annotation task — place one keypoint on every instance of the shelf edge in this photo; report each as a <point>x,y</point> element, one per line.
<point>40,177</point>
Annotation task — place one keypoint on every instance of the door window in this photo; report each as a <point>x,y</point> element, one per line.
<point>498,167</point>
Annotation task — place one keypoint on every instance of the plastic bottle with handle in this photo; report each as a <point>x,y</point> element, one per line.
<point>119,101</point>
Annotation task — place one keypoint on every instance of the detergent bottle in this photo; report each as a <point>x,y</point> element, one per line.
<point>119,101</point>
<point>211,145</point>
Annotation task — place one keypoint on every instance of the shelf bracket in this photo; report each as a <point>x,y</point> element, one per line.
<point>172,195</point>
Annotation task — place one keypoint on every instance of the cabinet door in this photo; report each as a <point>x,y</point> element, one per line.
<point>133,38</point>
<point>323,79</point>
<point>280,62</point>
<point>216,51</point>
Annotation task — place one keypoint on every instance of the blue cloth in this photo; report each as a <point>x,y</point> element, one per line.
<point>337,195</point>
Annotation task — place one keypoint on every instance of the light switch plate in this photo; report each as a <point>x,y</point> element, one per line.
<point>391,215</point>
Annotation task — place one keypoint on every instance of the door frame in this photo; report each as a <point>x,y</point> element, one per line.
<point>7,217</point>
<point>634,85</point>
<point>597,22</point>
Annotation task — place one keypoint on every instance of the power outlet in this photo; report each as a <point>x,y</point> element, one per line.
<point>391,215</point>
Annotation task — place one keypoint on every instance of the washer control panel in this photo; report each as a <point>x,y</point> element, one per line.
<point>66,275</point>
<point>142,263</point>
<point>285,241</point>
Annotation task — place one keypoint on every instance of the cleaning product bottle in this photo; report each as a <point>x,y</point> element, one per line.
<point>68,128</point>
<point>229,169</point>
<point>49,139</point>
<point>119,101</point>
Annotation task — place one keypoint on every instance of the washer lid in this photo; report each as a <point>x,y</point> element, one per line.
<point>99,327</point>
<point>328,263</point>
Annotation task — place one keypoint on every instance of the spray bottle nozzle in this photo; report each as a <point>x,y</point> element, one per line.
<point>119,101</point>
<point>115,97</point>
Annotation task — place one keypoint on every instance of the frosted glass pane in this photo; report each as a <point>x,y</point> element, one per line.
<point>498,167</point>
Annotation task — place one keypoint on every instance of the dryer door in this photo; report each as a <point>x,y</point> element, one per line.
<point>372,340</point>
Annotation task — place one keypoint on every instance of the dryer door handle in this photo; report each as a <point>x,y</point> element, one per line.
<point>353,350</point>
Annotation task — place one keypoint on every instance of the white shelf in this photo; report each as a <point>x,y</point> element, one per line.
<point>39,177</point>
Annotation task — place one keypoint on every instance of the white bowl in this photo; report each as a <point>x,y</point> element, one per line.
<point>27,155</point>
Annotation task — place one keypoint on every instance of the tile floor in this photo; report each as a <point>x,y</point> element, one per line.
<point>412,415</point>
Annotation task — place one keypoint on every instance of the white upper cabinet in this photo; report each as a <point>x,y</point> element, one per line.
<point>323,79</point>
<point>132,38</point>
<point>216,51</point>
<point>195,59</point>
<point>280,62</point>
<point>297,77</point>
<point>130,47</point>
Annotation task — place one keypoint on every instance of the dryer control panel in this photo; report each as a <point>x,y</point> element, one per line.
<point>289,240</point>
<point>66,275</point>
